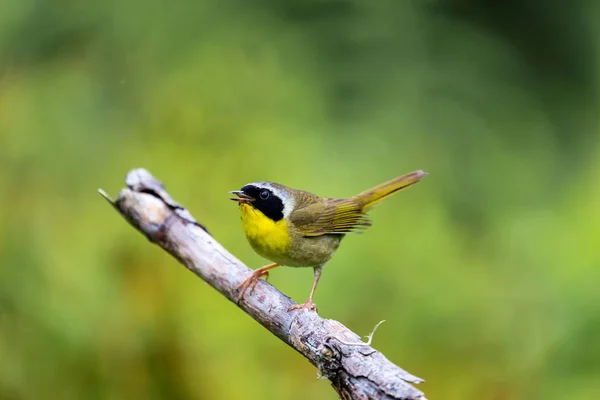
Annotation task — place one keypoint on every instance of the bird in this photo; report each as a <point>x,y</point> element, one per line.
<point>295,228</point>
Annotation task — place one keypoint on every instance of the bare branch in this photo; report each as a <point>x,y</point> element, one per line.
<point>356,370</point>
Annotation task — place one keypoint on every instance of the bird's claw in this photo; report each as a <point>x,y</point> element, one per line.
<point>251,282</point>
<point>307,305</point>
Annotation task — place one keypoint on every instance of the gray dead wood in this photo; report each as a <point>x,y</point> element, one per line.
<point>356,370</point>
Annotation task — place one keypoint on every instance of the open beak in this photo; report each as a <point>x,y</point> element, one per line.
<point>242,198</point>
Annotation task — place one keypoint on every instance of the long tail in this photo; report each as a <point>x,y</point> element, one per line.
<point>373,196</point>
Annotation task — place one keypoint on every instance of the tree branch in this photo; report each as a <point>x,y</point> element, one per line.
<point>355,369</point>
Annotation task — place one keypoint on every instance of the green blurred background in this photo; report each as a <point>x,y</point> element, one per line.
<point>487,272</point>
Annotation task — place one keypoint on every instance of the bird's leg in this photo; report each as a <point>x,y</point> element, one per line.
<point>308,304</point>
<point>253,279</point>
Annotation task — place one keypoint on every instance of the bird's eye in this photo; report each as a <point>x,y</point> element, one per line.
<point>264,194</point>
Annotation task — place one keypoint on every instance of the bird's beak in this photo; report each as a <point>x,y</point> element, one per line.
<point>242,198</point>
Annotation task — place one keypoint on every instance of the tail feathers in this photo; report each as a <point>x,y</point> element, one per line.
<point>373,196</point>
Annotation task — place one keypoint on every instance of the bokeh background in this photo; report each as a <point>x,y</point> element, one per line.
<point>487,272</point>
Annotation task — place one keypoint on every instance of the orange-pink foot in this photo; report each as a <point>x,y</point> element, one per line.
<point>307,305</point>
<point>253,279</point>
<point>251,282</point>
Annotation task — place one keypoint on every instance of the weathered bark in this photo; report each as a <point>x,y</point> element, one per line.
<point>356,370</point>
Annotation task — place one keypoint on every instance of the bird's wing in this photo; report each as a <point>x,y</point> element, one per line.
<point>329,216</point>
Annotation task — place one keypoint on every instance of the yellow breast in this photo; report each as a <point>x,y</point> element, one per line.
<point>268,238</point>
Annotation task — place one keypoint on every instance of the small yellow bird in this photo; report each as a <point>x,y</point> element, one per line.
<point>299,229</point>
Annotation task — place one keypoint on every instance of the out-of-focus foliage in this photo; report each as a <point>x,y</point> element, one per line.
<point>486,272</point>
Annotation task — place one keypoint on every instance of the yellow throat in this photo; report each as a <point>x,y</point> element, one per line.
<point>268,238</point>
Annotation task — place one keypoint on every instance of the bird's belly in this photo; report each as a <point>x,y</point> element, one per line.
<point>276,242</point>
<point>314,251</point>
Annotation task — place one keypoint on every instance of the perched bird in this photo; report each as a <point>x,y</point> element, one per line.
<point>299,229</point>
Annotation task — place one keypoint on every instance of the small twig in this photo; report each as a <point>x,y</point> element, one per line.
<point>368,343</point>
<point>106,197</point>
<point>354,374</point>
